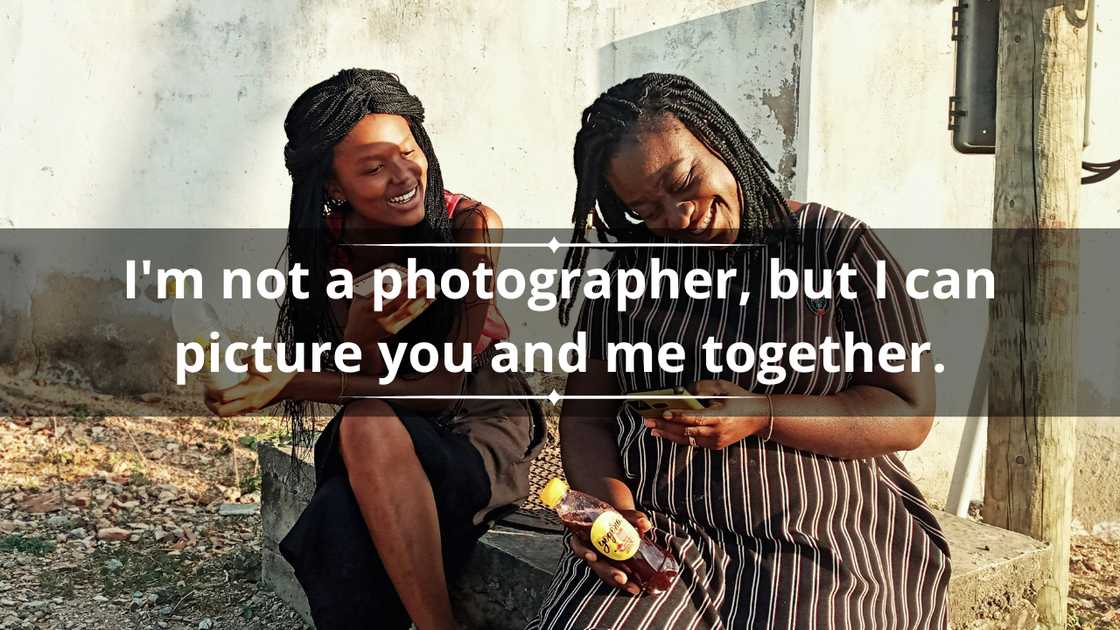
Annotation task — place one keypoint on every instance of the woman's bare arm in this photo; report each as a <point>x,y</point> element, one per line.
<point>587,438</point>
<point>476,224</point>
<point>880,413</point>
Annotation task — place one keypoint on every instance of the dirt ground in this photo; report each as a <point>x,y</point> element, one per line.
<point>151,520</point>
<point>118,522</point>
<point>1094,591</point>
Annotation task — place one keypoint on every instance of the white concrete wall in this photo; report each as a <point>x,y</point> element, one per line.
<point>878,148</point>
<point>749,59</point>
<point>169,113</point>
<point>882,75</point>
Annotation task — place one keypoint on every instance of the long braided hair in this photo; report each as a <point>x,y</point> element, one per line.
<point>321,117</point>
<point>620,112</point>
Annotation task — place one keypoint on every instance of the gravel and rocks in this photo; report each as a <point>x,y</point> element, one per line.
<point>111,521</point>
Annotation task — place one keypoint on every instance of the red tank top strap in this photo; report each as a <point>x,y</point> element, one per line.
<point>451,201</point>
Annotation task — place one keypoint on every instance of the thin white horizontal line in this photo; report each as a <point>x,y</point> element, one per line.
<point>548,397</point>
<point>553,247</point>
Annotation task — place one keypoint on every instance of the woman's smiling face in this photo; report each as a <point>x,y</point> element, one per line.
<point>676,184</point>
<point>381,171</point>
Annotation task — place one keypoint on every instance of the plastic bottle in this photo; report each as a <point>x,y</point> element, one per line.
<point>592,520</point>
<point>194,319</point>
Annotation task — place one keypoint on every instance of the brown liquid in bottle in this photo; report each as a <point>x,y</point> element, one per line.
<point>651,567</point>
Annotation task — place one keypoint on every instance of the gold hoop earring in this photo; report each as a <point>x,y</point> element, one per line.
<point>331,204</point>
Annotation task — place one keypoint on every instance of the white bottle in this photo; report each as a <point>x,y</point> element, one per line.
<point>194,320</point>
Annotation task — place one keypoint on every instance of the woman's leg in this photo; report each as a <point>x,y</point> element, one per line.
<point>396,501</point>
<point>337,565</point>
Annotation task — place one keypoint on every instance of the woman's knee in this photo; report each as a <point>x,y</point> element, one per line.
<point>371,434</point>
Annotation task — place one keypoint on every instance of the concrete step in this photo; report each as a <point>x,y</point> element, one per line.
<point>996,573</point>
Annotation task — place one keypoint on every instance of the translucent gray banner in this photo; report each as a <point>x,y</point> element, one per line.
<point>65,313</point>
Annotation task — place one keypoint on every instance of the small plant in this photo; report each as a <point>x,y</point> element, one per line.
<point>15,543</point>
<point>139,570</point>
<point>250,484</point>
<point>81,411</point>
<point>242,565</point>
<point>57,583</point>
<point>60,457</point>
<point>124,463</point>
<point>275,436</point>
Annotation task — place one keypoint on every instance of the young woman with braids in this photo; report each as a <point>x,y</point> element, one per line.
<point>787,508</point>
<point>397,481</point>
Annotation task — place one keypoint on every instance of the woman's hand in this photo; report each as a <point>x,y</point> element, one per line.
<point>257,391</point>
<point>722,423</point>
<point>610,573</point>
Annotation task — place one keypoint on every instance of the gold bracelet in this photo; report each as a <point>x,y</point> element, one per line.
<point>770,425</point>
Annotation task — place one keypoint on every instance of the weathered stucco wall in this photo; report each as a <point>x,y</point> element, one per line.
<point>750,59</point>
<point>169,114</point>
<point>881,76</point>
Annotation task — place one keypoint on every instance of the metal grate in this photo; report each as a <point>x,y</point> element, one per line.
<point>546,466</point>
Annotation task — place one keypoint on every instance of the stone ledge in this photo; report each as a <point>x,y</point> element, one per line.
<point>278,577</point>
<point>507,579</point>
<point>996,573</point>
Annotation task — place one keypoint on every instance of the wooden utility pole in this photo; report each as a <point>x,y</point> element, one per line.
<point>1039,133</point>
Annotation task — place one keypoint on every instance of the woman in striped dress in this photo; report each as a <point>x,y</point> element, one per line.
<point>788,509</point>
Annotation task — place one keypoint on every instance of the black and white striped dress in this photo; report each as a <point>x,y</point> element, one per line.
<point>768,536</point>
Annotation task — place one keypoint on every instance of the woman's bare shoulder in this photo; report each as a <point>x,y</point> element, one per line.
<point>474,220</point>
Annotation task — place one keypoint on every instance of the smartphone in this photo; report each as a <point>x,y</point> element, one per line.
<point>363,287</point>
<point>651,404</point>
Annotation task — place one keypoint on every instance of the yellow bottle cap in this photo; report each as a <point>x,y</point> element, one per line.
<point>553,492</point>
<point>170,287</point>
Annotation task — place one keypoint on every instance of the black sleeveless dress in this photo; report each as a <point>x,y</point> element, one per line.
<point>476,456</point>
<point>477,459</point>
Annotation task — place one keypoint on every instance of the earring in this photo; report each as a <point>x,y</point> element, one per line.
<point>332,204</point>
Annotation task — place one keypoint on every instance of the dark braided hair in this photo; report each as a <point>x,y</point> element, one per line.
<point>320,118</point>
<point>621,112</point>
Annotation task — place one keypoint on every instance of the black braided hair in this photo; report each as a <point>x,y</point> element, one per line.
<point>619,113</point>
<point>320,118</point>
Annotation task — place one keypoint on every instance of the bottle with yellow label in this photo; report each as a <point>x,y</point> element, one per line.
<point>595,521</point>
